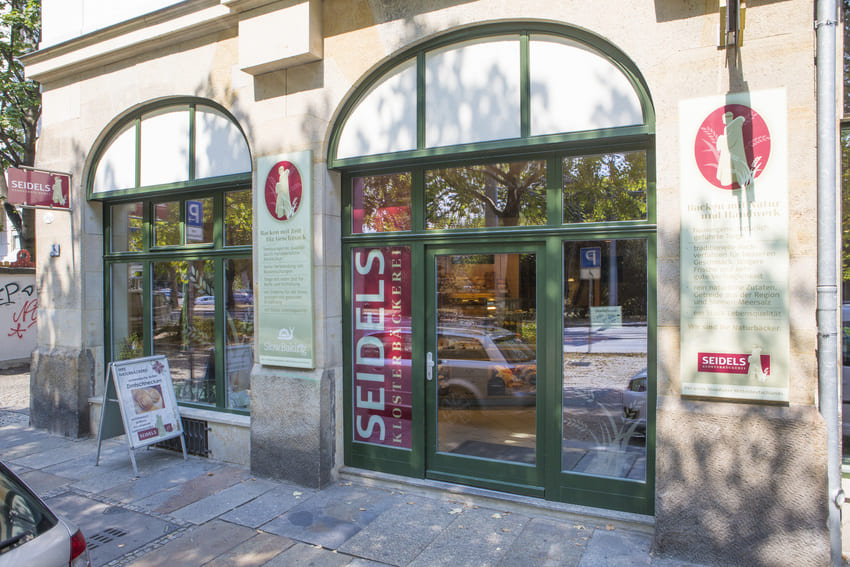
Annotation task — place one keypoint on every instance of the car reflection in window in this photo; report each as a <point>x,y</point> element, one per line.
<point>481,366</point>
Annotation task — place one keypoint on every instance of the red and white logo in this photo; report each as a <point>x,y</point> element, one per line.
<point>283,190</point>
<point>732,146</point>
<point>754,363</point>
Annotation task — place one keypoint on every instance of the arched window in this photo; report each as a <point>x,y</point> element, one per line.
<point>175,180</point>
<point>498,244</point>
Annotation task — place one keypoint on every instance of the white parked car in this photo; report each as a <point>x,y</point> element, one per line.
<point>634,402</point>
<point>32,535</point>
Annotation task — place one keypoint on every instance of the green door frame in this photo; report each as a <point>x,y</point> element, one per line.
<point>508,477</point>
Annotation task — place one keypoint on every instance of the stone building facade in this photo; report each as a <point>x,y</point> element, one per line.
<point>319,209</point>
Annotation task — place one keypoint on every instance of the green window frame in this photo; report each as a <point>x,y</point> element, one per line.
<point>401,221</point>
<point>188,293</point>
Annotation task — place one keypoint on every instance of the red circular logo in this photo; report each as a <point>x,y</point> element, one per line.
<point>283,190</point>
<point>732,146</point>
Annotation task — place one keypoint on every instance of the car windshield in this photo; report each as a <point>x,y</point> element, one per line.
<point>22,516</point>
<point>514,349</point>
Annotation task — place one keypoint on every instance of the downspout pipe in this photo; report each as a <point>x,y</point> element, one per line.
<point>826,25</point>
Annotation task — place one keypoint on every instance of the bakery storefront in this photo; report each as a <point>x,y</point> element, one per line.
<point>498,254</point>
<point>533,249</point>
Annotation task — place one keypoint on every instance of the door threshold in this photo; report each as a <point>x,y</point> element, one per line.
<point>515,503</point>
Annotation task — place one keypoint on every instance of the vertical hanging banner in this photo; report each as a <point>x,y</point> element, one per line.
<point>734,247</point>
<point>33,188</point>
<point>381,307</point>
<point>285,258</point>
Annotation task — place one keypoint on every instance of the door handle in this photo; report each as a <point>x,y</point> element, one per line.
<point>429,366</point>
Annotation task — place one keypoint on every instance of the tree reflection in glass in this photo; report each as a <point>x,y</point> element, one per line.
<point>497,194</point>
<point>605,188</point>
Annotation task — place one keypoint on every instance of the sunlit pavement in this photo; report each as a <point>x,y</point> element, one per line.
<point>203,512</point>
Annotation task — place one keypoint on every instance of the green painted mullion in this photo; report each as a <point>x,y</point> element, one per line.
<point>524,85</point>
<point>651,199</point>
<point>147,307</point>
<point>107,312</point>
<point>218,221</point>
<point>192,138</point>
<point>420,101</point>
<point>554,191</point>
<point>418,457</point>
<point>220,333</point>
<point>550,418</point>
<point>138,155</point>
<point>652,366</point>
<point>417,200</point>
<point>346,197</point>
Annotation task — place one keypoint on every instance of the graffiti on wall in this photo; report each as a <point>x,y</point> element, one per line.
<point>18,316</point>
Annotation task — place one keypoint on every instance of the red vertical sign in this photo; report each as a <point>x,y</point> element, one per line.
<point>381,307</point>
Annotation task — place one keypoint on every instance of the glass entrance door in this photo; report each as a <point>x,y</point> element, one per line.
<point>481,368</point>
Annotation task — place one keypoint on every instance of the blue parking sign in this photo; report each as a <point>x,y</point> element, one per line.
<point>194,221</point>
<point>590,263</point>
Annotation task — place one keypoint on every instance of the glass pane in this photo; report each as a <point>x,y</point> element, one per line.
<point>472,92</point>
<point>238,218</point>
<point>199,221</point>
<point>184,326</point>
<point>117,167</point>
<point>384,120</point>
<point>487,356</point>
<point>239,307</point>
<point>381,203</point>
<point>499,194</point>
<point>607,187</point>
<point>381,307</point>
<point>166,227</point>
<point>220,147</point>
<point>165,146</point>
<point>605,368</point>
<point>126,227</point>
<point>606,98</point>
<point>126,311</point>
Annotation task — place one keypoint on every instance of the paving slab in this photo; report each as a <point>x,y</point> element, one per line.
<point>481,536</point>
<point>111,531</point>
<point>402,532</point>
<point>197,546</point>
<point>160,480</point>
<point>617,548</point>
<point>110,478</point>
<point>30,446</point>
<point>258,550</point>
<point>13,435</point>
<point>268,506</point>
<point>549,543</point>
<point>223,501</point>
<point>44,483</point>
<point>177,497</point>
<point>333,515</point>
<point>55,456</point>
<point>304,555</point>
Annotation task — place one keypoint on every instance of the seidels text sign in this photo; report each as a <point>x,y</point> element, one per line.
<point>33,188</point>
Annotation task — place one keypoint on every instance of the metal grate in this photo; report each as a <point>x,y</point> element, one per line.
<point>197,439</point>
<point>106,536</point>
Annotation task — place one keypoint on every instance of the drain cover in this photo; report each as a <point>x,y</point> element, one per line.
<point>106,536</point>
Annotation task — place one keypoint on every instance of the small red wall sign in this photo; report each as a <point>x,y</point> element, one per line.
<point>33,188</point>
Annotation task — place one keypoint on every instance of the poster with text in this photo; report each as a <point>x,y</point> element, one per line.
<point>734,247</point>
<point>146,397</point>
<point>381,307</point>
<point>285,258</point>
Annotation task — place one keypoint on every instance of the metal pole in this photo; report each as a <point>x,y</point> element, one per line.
<point>827,277</point>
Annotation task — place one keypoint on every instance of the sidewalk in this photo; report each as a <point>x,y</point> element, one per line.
<point>202,512</point>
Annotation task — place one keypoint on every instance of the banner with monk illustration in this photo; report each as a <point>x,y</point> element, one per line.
<point>735,330</point>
